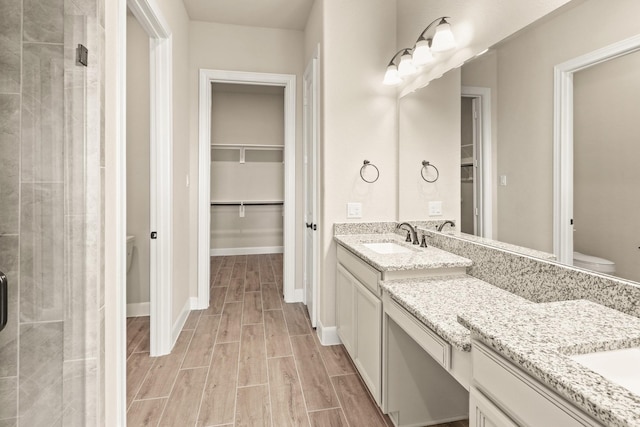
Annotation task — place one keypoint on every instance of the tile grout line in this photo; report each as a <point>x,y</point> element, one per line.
<point>213,347</point>
<point>295,362</point>
<point>235,400</point>
<point>333,386</point>
<point>178,373</point>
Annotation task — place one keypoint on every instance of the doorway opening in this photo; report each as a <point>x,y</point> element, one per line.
<point>252,163</point>
<point>470,144</point>
<point>476,213</point>
<point>569,165</point>
<point>247,169</point>
<point>157,239</point>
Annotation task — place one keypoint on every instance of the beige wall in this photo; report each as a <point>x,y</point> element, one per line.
<point>525,110</point>
<point>429,129</point>
<point>247,114</point>
<point>138,159</point>
<point>606,174</point>
<point>359,123</point>
<point>238,48</point>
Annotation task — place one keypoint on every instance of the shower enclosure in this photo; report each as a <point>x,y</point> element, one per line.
<point>51,212</point>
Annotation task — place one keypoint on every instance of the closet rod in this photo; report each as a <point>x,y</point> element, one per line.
<point>247,203</point>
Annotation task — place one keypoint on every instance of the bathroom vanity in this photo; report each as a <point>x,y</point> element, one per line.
<point>435,344</point>
<point>364,261</point>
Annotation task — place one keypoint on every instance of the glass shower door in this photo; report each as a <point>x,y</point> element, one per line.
<point>49,235</point>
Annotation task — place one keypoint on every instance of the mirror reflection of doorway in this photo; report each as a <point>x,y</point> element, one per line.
<point>470,221</point>
<point>606,200</point>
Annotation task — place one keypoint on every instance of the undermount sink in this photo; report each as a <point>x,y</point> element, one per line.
<point>618,366</point>
<point>387,248</point>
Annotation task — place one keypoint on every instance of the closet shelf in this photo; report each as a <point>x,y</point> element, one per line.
<point>247,146</point>
<point>247,203</point>
<point>241,153</point>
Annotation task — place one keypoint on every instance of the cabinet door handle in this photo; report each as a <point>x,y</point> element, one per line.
<point>4,301</point>
<point>308,225</point>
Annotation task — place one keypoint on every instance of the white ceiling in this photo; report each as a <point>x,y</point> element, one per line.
<point>284,14</point>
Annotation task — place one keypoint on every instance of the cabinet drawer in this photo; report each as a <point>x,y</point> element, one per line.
<point>520,396</point>
<point>437,348</point>
<point>362,271</point>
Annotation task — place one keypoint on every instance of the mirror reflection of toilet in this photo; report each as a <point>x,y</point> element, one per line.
<point>594,263</point>
<point>131,240</point>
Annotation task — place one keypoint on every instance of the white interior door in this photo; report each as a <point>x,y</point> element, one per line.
<point>310,127</point>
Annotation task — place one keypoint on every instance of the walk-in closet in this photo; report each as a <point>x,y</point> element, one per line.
<point>247,169</point>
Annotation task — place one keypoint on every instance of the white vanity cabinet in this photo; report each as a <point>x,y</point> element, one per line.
<point>503,395</point>
<point>359,317</point>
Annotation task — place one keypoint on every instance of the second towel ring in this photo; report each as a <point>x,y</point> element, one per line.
<point>362,169</point>
<point>425,166</point>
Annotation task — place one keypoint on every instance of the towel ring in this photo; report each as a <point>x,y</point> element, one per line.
<point>364,166</point>
<point>425,166</point>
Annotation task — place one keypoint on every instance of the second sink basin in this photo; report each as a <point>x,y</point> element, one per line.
<point>618,366</point>
<point>387,248</point>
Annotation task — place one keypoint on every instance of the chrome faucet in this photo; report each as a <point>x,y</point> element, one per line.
<point>412,235</point>
<point>441,226</point>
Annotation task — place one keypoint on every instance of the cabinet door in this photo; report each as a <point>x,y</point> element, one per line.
<point>345,309</point>
<point>368,339</point>
<point>483,413</point>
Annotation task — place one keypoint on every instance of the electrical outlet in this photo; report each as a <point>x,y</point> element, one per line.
<point>354,210</point>
<point>435,208</point>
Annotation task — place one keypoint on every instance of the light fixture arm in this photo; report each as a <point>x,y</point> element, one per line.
<point>440,20</point>
<point>401,51</point>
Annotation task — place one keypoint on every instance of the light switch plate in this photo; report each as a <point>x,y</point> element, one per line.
<point>354,210</point>
<point>435,208</point>
<point>503,180</point>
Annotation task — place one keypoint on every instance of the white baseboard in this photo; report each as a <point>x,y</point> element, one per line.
<point>180,321</point>
<point>328,334</point>
<point>298,295</point>
<point>247,251</point>
<point>138,309</point>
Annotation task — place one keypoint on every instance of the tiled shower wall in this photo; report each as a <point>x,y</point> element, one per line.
<point>51,212</point>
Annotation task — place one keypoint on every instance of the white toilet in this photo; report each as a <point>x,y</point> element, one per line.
<point>594,263</point>
<point>131,240</point>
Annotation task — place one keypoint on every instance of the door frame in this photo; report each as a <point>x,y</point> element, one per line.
<point>312,102</point>
<point>161,137</point>
<point>484,157</point>
<point>161,174</point>
<point>288,81</point>
<point>563,140</point>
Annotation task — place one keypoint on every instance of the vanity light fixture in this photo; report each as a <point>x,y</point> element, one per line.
<point>421,53</point>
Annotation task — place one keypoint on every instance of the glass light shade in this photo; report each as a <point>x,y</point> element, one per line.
<point>391,77</point>
<point>406,67</point>
<point>422,53</point>
<point>443,38</point>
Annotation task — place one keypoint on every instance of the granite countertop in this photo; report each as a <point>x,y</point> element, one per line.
<point>437,301</point>
<point>418,259</point>
<point>539,337</point>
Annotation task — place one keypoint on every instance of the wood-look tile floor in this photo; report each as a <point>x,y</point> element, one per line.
<point>248,360</point>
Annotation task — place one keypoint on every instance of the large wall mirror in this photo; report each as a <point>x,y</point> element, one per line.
<point>518,75</point>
